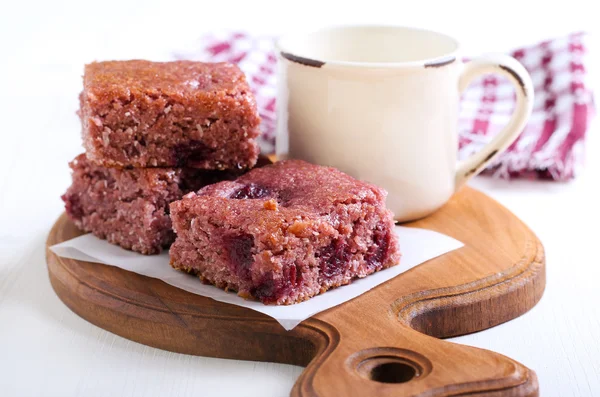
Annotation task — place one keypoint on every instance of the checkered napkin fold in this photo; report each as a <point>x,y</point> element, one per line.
<point>550,146</point>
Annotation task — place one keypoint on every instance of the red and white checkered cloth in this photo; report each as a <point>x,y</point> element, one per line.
<point>551,145</point>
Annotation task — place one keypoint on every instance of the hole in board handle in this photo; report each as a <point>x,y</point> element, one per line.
<point>392,372</point>
<point>389,365</point>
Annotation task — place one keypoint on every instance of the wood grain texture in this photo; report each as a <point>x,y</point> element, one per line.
<point>382,343</point>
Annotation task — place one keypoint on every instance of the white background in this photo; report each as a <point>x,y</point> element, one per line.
<point>45,350</point>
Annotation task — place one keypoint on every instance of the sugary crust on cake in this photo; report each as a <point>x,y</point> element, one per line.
<point>168,114</point>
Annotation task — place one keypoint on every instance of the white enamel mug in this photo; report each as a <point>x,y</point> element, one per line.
<point>381,104</point>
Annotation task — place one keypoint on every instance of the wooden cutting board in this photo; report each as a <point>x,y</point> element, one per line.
<point>383,343</point>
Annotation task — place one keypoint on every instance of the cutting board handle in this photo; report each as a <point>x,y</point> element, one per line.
<point>395,360</point>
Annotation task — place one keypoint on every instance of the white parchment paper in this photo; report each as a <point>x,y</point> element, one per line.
<point>417,246</point>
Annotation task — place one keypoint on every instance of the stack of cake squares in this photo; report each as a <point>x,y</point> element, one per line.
<point>166,145</point>
<point>153,132</point>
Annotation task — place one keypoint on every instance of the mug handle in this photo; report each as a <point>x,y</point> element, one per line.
<point>516,73</point>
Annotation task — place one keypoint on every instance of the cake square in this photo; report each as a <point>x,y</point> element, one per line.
<point>130,207</point>
<point>284,233</point>
<point>168,114</point>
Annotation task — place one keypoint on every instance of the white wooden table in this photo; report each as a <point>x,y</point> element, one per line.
<point>46,350</point>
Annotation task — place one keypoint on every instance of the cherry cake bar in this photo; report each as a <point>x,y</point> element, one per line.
<point>168,114</point>
<point>130,207</point>
<point>284,233</point>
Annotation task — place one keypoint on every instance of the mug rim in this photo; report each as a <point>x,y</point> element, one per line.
<point>444,59</point>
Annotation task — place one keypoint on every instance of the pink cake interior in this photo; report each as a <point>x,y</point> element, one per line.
<point>284,233</point>
<point>130,207</point>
